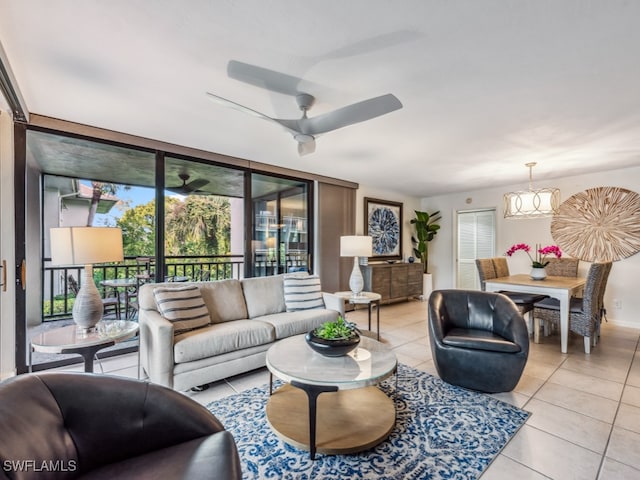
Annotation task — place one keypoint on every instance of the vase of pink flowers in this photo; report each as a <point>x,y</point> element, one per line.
<point>540,261</point>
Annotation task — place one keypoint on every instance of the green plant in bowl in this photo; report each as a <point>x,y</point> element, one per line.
<point>334,339</point>
<point>336,330</point>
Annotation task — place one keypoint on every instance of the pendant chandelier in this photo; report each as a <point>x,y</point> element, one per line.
<point>532,203</point>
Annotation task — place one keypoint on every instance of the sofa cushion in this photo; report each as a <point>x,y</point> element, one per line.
<point>183,306</point>
<point>287,324</point>
<point>302,293</point>
<point>224,299</point>
<point>263,295</point>
<point>220,338</point>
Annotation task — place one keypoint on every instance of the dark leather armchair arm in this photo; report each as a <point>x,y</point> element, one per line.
<point>95,421</point>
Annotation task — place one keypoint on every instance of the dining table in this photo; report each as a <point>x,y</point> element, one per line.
<point>562,288</point>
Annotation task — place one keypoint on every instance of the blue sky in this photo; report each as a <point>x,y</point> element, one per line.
<point>131,198</point>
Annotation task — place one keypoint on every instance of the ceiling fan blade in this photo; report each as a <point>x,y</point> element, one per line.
<point>287,124</point>
<point>354,113</point>
<point>195,185</point>
<point>305,148</point>
<point>228,103</point>
<point>264,78</point>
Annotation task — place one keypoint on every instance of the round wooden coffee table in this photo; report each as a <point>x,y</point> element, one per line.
<point>351,415</point>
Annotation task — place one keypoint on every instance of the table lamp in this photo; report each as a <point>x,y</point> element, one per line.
<point>86,246</point>
<point>356,246</point>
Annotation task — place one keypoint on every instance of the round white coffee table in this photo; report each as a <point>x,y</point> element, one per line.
<point>353,414</point>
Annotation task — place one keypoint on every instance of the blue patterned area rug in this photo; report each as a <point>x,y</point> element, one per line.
<point>441,432</point>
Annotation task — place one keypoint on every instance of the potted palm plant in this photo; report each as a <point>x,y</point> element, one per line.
<point>426,230</point>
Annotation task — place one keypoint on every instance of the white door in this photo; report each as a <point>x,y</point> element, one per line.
<point>476,239</point>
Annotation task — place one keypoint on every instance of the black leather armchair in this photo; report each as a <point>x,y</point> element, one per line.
<point>479,340</point>
<point>72,425</point>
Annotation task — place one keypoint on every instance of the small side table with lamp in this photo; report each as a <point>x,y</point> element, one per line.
<point>359,246</point>
<point>356,246</point>
<point>86,246</point>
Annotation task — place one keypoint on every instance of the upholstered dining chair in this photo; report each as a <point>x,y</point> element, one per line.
<point>487,271</point>
<point>479,340</point>
<point>501,266</point>
<point>584,313</point>
<point>603,287</point>
<point>562,267</point>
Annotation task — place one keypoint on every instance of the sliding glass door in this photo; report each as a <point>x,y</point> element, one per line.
<point>182,219</point>
<point>203,221</point>
<point>281,239</point>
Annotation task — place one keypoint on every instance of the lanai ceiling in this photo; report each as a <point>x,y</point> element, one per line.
<point>487,85</point>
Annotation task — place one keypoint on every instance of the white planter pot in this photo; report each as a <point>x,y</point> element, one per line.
<point>427,286</point>
<point>538,273</point>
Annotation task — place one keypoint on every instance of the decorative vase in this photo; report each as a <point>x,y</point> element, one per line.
<point>538,273</point>
<point>332,348</point>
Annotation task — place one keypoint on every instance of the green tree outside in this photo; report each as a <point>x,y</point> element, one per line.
<point>195,225</point>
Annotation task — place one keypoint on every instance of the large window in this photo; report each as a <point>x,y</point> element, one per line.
<point>280,229</point>
<point>203,220</point>
<point>182,217</point>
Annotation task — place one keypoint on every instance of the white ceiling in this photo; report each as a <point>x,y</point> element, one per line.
<point>487,85</point>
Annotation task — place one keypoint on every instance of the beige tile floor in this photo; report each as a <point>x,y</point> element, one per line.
<point>585,421</point>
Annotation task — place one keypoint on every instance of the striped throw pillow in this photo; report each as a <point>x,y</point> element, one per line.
<point>183,306</point>
<point>302,293</point>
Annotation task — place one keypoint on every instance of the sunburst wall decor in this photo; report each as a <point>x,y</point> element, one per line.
<point>599,225</point>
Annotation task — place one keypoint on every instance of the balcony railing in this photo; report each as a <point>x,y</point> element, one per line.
<point>58,297</point>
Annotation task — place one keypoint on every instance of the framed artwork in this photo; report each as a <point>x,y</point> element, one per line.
<point>383,223</point>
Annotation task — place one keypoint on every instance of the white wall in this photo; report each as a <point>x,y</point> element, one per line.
<point>409,205</point>
<point>624,276</point>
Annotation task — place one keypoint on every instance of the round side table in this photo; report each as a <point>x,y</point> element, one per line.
<point>75,339</point>
<point>364,298</point>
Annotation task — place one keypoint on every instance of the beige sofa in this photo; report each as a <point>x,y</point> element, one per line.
<point>247,316</point>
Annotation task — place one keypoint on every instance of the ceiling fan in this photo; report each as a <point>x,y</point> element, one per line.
<point>305,130</point>
<point>188,188</point>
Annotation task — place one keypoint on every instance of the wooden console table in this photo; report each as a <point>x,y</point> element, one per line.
<point>393,281</point>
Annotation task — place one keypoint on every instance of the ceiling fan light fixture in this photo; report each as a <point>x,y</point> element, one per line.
<point>303,138</point>
<point>532,203</point>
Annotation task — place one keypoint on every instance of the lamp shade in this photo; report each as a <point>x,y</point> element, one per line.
<point>85,245</point>
<point>356,246</point>
<point>532,203</point>
<point>543,202</point>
